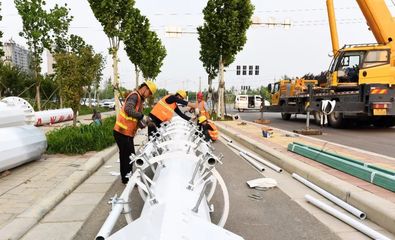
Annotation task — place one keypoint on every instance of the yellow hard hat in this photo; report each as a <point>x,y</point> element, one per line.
<point>182,93</point>
<point>202,119</point>
<point>151,86</point>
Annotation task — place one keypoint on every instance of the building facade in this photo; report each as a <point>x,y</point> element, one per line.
<point>16,55</point>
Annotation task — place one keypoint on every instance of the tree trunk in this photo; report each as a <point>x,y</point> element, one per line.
<point>90,96</point>
<point>210,92</point>
<point>38,97</point>
<point>75,118</point>
<point>221,93</point>
<point>137,71</point>
<point>60,94</point>
<point>116,79</point>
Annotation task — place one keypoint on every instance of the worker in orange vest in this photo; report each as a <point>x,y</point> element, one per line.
<point>129,119</point>
<point>202,105</point>
<point>208,128</point>
<point>163,111</point>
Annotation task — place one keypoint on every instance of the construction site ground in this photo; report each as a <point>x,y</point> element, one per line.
<point>44,200</point>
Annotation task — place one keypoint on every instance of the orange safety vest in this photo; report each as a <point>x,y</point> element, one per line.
<point>127,125</point>
<point>164,111</point>
<point>213,133</point>
<point>202,110</point>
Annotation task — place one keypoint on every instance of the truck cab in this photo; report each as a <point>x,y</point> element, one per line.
<point>247,102</point>
<point>355,65</point>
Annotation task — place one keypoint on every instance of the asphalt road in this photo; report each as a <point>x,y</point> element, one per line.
<point>274,217</point>
<point>378,140</point>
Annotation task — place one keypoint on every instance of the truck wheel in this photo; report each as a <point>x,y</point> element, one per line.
<point>336,120</point>
<point>286,116</point>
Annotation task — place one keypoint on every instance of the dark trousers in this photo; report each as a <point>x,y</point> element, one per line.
<point>126,148</point>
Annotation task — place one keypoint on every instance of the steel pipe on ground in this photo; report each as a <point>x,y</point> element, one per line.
<point>343,217</point>
<point>53,116</point>
<point>253,162</point>
<point>176,205</point>
<point>254,156</point>
<point>356,212</point>
<point>19,145</point>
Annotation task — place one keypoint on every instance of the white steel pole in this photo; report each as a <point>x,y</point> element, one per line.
<point>343,217</point>
<point>356,212</point>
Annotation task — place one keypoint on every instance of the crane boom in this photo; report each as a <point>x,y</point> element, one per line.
<point>332,26</point>
<point>380,21</point>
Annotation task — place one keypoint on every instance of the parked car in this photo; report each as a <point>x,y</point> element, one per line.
<point>108,103</point>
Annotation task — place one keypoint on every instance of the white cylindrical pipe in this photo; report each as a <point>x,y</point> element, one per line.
<point>53,116</point>
<point>226,138</point>
<point>263,161</point>
<point>343,217</point>
<point>356,212</point>
<point>116,211</point>
<point>253,162</point>
<point>19,145</point>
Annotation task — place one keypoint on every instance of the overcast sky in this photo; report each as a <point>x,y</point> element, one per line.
<point>301,49</point>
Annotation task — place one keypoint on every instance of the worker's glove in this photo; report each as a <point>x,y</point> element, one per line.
<point>144,122</point>
<point>141,124</point>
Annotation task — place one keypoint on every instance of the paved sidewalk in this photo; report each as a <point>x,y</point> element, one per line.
<point>66,219</point>
<point>378,203</point>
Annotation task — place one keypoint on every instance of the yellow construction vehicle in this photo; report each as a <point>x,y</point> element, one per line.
<point>360,79</point>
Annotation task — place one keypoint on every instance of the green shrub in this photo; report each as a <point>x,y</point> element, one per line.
<point>81,139</point>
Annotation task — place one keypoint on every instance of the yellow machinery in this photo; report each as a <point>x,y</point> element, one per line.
<point>360,80</point>
<point>354,65</point>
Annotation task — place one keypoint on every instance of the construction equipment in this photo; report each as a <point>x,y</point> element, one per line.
<point>177,197</point>
<point>360,79</point>
<point>20,142</point>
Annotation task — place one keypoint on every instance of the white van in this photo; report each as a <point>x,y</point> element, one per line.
<point>248,102</point>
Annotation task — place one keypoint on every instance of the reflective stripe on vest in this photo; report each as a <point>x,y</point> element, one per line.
<point>164,111</point>
<point>213,133</point>
<point>128,125</point>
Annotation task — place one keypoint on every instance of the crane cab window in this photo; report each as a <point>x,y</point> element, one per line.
<point>276,87</point>
<point>376,58</point>
<point>348,67</point>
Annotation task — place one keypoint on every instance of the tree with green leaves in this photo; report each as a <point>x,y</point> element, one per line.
<point>39,26</point>
<point>111,15</point>
<point>152,56</point>
<point>208,57</point>
<point>135,30</point>
<point>14,81</point>
<point>77,68</point>
<point>226,23</point>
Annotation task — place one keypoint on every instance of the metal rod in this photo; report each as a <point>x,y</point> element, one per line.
<point>352,222</point>
<point>196,208</point>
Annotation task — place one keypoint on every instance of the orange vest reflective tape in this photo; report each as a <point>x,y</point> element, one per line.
<point>213,133</point>
<point>127,125</point>
<point>164,111</point>
<point>203,111</point>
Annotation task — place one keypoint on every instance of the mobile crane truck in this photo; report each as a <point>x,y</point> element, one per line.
<point>360,82</point>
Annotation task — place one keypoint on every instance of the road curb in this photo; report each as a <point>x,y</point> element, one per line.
<point>377,209</point>
<point>26,220</point>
